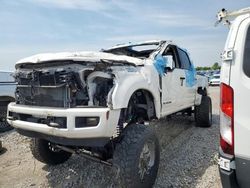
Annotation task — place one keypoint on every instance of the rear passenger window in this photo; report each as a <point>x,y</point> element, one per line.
<point>185,63</point>
<point>246,57</point>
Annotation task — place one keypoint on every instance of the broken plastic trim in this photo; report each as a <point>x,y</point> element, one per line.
<point>65,86</point>
<point>55,63</point>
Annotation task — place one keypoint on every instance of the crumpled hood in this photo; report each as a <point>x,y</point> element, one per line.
<point>79,56</point>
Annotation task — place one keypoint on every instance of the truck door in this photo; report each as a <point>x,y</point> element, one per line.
<point>172,82</point>
<point>188,73</point>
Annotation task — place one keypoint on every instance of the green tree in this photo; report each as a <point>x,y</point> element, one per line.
<point>199,68</point>
<point>216,66</point>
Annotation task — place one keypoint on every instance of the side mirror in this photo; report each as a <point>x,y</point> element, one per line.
<point>168,69</point>
<point>169,63</point>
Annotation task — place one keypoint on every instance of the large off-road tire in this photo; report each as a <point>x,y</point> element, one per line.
<point>1,147</point>
<point>4,126</point>
<point>203,112</point>
<point>137,157</point>
<point>44,152</point>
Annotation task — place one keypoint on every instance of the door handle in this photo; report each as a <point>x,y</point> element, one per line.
<point>182,79</point>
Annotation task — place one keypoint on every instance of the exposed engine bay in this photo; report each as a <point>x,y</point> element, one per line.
<point>64,84</point>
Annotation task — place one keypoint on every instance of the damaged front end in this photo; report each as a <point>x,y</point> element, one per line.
<point>64,84</point>
<point>79,100</point>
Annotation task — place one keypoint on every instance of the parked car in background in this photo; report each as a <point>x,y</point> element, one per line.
<point>234,160</point>
<point>215,80</point>
<point>7,89</point>
<point>216,72</point>
<point>208,73</point>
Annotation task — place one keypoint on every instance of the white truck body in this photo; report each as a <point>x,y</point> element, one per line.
<point>98,103</point>
<point>173,91</point>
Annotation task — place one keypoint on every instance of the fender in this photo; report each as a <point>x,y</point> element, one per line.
<point>202,82</point>
<point>126,86</point>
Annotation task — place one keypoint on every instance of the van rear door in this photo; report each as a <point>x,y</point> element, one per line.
<point>240,82</point>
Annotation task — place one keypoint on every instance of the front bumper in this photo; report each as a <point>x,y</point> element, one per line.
<point>106,127</point>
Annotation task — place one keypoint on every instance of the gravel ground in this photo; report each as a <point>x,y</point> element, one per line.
<point>188,159</point>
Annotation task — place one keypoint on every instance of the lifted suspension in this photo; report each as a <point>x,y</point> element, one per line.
<point>86,154</point>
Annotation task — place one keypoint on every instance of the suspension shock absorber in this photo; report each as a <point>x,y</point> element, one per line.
<point>120,127</point>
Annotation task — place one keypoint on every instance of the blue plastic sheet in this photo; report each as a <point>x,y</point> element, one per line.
<point>191,76</point>
<point>160,64</point>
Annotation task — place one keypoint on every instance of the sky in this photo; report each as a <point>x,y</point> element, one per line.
<point>28,27</point>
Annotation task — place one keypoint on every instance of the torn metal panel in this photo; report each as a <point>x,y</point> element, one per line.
<point>143,43</point>
<point>90,57</point>
<point>140,50</point>
<point>99,85</point>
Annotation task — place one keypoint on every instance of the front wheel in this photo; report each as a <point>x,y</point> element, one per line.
<point>137,157</point>
<point>203,112</point>
<point>45,152</point>
<point>4,126</point>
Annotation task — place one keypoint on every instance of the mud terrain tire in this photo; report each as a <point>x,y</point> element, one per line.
<point>43,152</point>
<point>4,126</point>
<point>203,112</point>
<point>136,157</point>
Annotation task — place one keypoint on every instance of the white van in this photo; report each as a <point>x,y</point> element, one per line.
<point>234,160</point>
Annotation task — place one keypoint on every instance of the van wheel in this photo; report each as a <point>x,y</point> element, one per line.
<point>4,126</point>
<point>203,112</point>
<point>137,157</point>
<point>45,152</point>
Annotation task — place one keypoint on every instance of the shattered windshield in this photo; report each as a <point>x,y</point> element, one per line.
<point>137,50</point>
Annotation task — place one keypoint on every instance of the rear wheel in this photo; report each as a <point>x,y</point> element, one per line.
<point>4,126</point>
<point>45,152</point>
<point>137,157</point>
<point>203,112</point>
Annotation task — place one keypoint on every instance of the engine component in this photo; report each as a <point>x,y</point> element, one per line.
<point>63,86</point>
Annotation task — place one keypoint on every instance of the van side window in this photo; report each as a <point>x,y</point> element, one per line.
<point>185,62</point>
<point>246,56</point>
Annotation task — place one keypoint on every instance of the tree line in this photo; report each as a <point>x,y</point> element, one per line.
<point>215,66</point>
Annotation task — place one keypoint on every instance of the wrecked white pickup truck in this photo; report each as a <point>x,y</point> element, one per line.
<point>99,104</point>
